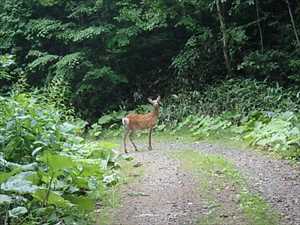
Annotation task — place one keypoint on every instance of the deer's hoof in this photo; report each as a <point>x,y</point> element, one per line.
<point>136,149</point>
<point>150,148</point>
<point>125,151</point>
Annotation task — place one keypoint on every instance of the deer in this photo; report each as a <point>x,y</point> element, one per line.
<point>134,122</point>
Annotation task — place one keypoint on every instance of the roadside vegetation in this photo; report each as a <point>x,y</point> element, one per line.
<point>247,111</point>
<point>49,173</point>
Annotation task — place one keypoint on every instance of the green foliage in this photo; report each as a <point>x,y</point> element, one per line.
<point>26,126</point>
<point>4,199</point>
<point>108,125</point>
<point>203,126</point>
<point>294,65</point>
<point>5,61</point>
<point>57,93</point>
<point>239,96</point>
<point>269,63</point>
<point>107,51</point>
<point>91,33</point>
<point>20,184</point>
<point>179,106</point>
<point>48,2</point>
<point>65,177</point>
<point>68,63</point>
<point>279,132</point>
<point>7,64</point>
<point>42,61</point>
<point>44,28</point>
<point>18,211</point>
<point>262,115</point>
<point>245,95</point>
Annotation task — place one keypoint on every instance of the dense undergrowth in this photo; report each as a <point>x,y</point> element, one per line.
<point>259,114</point>
<point>262,115</point>
<point>49,174</point>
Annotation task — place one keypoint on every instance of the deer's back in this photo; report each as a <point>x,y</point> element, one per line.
<point>141,121</point>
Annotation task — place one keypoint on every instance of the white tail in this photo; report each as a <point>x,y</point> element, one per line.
<point>133,122</point>
<point>125,121</point>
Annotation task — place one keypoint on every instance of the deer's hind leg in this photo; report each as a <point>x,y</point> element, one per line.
<point>150,145</point>
<point>124,139</point>
<point>131,140</point>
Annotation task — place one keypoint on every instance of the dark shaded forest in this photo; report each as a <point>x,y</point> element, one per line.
<point>103,54</point>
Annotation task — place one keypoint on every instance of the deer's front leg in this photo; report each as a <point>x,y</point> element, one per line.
<point>150,132</point>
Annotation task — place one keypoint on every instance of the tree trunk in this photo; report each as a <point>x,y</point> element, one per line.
<point>224,34</point>
<point>259,26</point>
<point>293,22</point>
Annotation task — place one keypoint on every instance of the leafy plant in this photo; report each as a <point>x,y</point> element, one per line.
<point>236,96</point>
<point>111,123</point>
<point>279,132</point>
<point>203,126</point>
<point>47,172</point>
<point>264,64</point>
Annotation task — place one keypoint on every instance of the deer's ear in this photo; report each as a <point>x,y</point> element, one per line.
<point>158,98</point>
<point>150,100</point>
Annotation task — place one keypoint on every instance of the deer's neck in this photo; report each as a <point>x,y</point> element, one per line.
<point>155,111</point>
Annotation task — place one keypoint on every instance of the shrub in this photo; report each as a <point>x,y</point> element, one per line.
<point>279,132</point>
<point>47,171</point>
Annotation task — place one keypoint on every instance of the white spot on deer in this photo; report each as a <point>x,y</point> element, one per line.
<point>125,121</point>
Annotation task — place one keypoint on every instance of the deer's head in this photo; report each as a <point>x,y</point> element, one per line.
<point>156,102</point>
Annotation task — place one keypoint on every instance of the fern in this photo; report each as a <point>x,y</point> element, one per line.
<point>85,9</point>
<point>122,37</point>
<point>5,62</point>
<point>45,28</point>
<point>155,17</point>
<point>203,126</point>
<point>42,61</point>
<point>104,73</point>
<point>90,33</point>
<point>48,2</point>
<point>69,62</point>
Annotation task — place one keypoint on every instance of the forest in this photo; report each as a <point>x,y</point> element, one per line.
<point>227,71</point>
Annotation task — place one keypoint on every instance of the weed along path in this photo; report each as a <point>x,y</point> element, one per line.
<point>201,183</point>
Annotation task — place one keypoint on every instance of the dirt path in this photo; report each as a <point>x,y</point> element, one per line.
<point>168,195</point>
<point>164,195</point>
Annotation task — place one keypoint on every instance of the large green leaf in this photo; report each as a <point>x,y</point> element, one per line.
<point>90,167</point>
<point>105,119</point>
<point>18,211</point>
<point>20,183</point>
<point>57,162</point>
<point>82,202</point>
<point>5,199</point>
<point>111,180</point>
<point>15,166</point>
<point>67,127</point>
<point>4,176</point>
<point>53,198</point>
